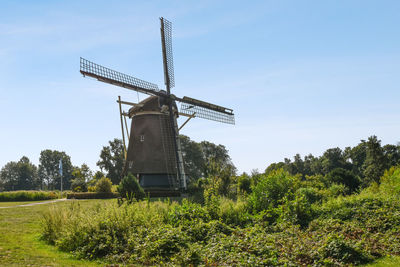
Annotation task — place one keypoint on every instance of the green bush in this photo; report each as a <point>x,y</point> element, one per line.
<point>344,177</point>
<point>390,182</point>
<point>130,188</point>
<point>28,195</point>
<point>244,184</point>
<point>104,185</point>
<point>271,189</point>
<point>79,185</point>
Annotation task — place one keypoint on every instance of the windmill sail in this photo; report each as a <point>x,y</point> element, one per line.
<point>166,41</point>
<point>88,68</point>
<point>206,110</point>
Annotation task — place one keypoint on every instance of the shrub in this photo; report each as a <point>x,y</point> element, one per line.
<point>103,185</point>
<point>244,183</point>
<point>345,177</point>
<point>92,195</point>
<point>28,195</point>
<point>130,188</point>
<point>310,194</point>
<point>79,185</point>
<point>390,182</point>
<point>271,189</point>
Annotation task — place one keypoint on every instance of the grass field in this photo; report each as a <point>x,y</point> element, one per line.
<point>20,243</point>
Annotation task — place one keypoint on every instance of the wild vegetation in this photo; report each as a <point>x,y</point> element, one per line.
<point>335,216</point>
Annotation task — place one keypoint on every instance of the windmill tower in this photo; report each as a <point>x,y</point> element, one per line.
<point>154,152</point>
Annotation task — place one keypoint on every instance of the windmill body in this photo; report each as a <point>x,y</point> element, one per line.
<point>151,149</point>
<point>154,152</point>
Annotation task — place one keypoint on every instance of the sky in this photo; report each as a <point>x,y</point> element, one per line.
<point>301,76</point>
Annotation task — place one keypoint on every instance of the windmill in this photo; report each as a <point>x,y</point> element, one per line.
<point>154,152</point>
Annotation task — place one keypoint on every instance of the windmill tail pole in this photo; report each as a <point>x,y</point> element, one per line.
<point>122,125</point>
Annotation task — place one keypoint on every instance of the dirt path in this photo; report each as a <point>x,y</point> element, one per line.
<point>36,203</point>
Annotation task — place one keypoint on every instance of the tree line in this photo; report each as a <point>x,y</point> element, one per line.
<point>357,166</point>
<point>24,175</point>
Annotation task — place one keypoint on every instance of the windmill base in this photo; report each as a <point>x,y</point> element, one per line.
<point>158,185</point>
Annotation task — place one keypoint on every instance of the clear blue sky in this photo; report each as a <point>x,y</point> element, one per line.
<point>301,76</point>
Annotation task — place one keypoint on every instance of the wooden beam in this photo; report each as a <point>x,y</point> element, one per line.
<point>190,117</point>
<point>122,124</point>
<point>126,128</point>
<point>129,103</point>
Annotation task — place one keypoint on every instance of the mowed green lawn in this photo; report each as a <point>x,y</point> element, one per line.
<point>20,243</point>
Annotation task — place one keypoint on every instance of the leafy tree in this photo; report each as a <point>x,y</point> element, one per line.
<point>392,155</point>
<point>21,175</point>
<point>198,157</point>
<point>112,160</point>
<point>9,176</point>
<point>215,153</point>
<point>345,177</point>
<point>49,169</point>
<point>244,183</point>
<point>82,172</point>
<point>193,158</point>
<point>357,156</point>
<point>96,177</point>
<point>219,177</point>
<point>333,158</point>
<point>374,164</point>
<point>274,166</point>
<point>28,174</point>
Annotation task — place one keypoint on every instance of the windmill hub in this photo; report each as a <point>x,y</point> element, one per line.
<point>154,152</point>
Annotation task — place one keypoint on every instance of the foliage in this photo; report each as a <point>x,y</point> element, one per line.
<point>271,190</point>
<point>244,184</point>
<point>21,175</point>
<point>375,162</point>
<point>96,177</point>
<point>92,195</point>
<point>49,169</point>
<point>344,177</point>
<point>343,231</point>
<point>79,185</point>
<point>104,185</point>
<point>28,195</point>
<point>112,160</point>
<point>365,162</point>
<point>130,188</point>
<point>199,155</point>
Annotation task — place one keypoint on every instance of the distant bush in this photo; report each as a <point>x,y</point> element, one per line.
<point>129,188</point>
<point>28,195</point>
<point>79,185</point>
<point>104,185</point>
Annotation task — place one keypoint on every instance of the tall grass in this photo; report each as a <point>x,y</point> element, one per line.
<point>28,195</point>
